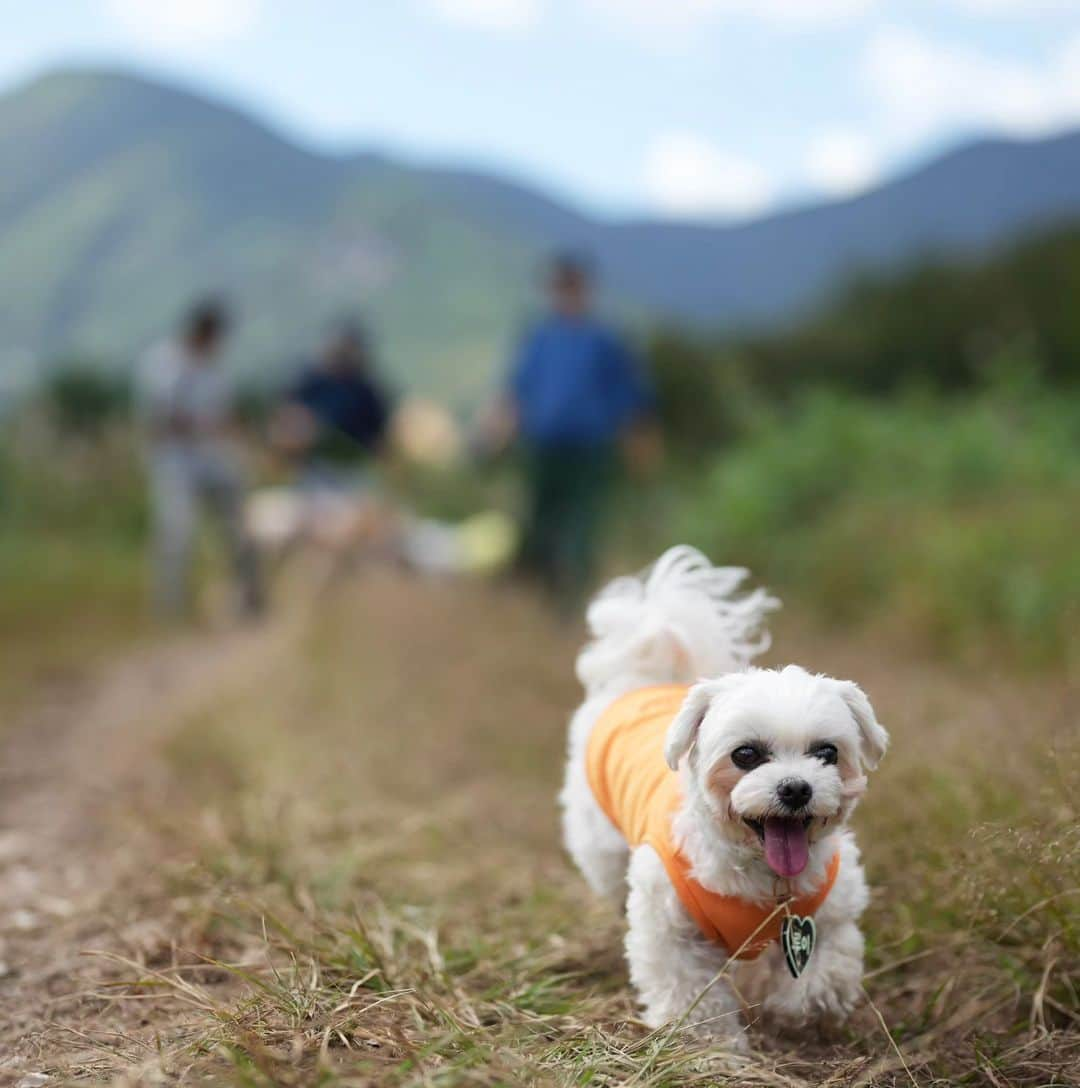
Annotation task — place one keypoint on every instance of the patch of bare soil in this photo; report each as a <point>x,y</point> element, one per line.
<point>71,846</point>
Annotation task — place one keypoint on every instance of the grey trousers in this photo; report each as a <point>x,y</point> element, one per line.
<point>185,483</point>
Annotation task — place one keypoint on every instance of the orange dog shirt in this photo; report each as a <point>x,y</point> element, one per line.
<point>640,794</point>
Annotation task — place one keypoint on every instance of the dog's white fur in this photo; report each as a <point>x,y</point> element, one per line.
<point>681,621</point>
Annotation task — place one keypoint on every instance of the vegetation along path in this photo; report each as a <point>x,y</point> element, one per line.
<point>325,851</point>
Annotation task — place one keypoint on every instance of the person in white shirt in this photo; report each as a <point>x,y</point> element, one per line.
<point>185,409</point>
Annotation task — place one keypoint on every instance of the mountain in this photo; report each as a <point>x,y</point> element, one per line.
<point>121,198</point>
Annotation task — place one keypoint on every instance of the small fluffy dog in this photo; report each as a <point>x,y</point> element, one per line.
<point>716,808</point>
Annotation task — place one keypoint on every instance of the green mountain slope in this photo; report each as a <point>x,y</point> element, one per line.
<point>126,199</point>
<point>122,198</point>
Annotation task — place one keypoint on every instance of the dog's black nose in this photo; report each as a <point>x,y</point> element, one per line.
<point>794,793</point>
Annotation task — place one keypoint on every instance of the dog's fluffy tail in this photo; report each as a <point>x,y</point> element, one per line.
<point>679,621</point>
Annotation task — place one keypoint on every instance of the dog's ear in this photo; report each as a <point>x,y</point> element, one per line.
<point>683,730</point>
<point>874,740</point>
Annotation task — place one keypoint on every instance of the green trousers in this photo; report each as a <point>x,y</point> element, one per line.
<point>569,490</point>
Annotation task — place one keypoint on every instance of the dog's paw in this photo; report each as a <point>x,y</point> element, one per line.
<point>814,1001</point>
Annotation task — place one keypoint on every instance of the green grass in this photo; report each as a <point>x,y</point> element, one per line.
<point>71,563</point>
<point>951,522</point>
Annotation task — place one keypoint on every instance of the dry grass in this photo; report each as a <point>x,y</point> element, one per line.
<point>343,869</point>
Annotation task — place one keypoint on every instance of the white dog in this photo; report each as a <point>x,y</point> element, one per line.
<point>717,808</point>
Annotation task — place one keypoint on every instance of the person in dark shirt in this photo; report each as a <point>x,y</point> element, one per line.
<point>334,418</point>
<point>575,391</point>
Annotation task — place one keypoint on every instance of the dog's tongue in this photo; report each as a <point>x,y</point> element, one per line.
<point>786,847</point>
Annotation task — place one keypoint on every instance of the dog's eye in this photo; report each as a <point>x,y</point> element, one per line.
<point>746,757</point>
<point>827,753</point>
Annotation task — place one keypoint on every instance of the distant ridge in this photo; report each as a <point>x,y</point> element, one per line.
<point>121,197</point>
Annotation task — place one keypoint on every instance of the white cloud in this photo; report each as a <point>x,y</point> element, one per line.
<point>506,16</point>
<point>686,175</point>
<point>841,162</point>
<point>925,85</point>
<point>1013,7</point>
<point>184,23</point>
<point>680,16</point>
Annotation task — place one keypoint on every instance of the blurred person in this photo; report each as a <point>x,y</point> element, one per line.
<point>576,393</point>
<point>334,418</point>
<point>333,425</point>
<point>186,410</point>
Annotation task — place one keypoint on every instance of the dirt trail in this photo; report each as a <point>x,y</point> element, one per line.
<point>77,767</point>
<point>67,761</point>
<point>83,775</point>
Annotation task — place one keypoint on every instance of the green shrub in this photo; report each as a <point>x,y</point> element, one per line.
<point>944,323</point>
<point>72,535</point>
<point>82,400</point>
<point>952,519</point>
<point>704,396</point>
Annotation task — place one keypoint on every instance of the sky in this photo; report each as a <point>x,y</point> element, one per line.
<point>721,109</point>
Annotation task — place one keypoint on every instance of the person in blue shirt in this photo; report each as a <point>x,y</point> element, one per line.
<point>575,392</point>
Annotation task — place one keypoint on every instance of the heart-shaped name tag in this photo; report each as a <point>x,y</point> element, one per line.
<point>797,938</point>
